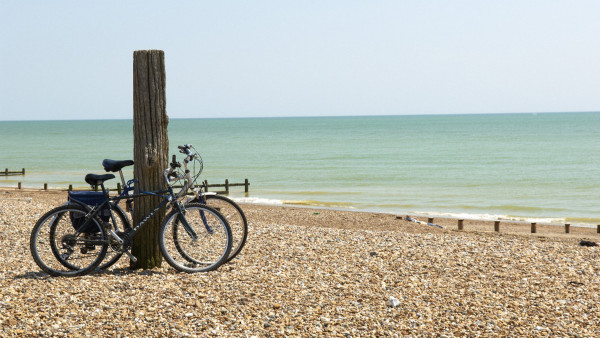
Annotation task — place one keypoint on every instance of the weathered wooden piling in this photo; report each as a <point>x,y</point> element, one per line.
<point>460,224</point>
<point>533,228</point>
<point>497,226</point>
<point>567,228</point>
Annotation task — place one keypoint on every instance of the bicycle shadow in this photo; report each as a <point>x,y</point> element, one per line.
<point>40,275</point>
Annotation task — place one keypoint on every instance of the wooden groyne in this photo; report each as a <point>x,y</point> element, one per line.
<point>7,172</point>
<point>496,224</point>
<point>460,226</point>
<point>204,186</point>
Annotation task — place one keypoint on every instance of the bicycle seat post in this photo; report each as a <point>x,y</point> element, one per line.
<point>122,178</point>
<point>104,191</point>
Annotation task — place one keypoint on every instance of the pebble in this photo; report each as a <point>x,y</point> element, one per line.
<point>303,274</point>
<point>393,302</point>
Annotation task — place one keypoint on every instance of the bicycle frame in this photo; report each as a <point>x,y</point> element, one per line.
<point>111,201</point>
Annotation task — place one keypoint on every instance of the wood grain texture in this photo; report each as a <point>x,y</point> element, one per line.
<point>150,150</point>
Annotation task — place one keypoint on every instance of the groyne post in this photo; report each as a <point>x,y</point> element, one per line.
<point>430,220</point>
<point>19,185</point>
<point>533,228</point>
<point>567,228</point>
<point>497,226</point>
<point>460,224</point>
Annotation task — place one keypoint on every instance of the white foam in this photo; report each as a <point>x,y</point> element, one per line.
<point>257,200</point>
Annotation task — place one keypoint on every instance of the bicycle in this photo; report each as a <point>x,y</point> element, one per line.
<point>232,212</point>
<point>192,237</point>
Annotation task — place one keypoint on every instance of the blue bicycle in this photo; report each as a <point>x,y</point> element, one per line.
<point>73,239</point>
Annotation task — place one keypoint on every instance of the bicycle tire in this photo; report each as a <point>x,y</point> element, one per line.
<point>65,244</point>
<point>235,217</point>
<point>206,253</point>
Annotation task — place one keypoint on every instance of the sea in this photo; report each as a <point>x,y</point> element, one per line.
<point>542,167</point>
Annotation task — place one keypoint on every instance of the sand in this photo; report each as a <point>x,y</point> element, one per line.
<point>318,272</point>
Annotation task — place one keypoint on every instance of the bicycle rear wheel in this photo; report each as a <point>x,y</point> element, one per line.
<point>234,216</point>
<point>60,249</point>
<point>207,251</point>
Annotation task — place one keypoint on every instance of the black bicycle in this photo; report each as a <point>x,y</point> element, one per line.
<point>73,239</point>
<point>232,212</point>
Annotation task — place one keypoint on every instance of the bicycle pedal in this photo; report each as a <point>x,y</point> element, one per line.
<point>131,257</point>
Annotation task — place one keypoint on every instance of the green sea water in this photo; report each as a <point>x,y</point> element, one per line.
<point>543,167</point>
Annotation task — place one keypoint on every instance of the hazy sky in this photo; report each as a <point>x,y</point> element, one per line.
<point>73,59</point>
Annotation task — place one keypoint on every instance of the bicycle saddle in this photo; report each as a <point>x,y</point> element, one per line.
<point>93,179</point>
<point>112,165</point>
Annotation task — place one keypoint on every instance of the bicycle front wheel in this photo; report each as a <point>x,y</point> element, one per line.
<point>197,241</point>
<point>234,216</point>
<point>63,244</point>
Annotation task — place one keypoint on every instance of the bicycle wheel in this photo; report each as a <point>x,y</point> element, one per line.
<point>60,249</point>
<point>234,216</point>
<point>205,253</point>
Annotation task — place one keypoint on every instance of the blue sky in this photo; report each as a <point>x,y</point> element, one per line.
<point>73,59</point>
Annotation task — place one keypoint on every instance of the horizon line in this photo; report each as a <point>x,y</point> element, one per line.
<point>317,116</point>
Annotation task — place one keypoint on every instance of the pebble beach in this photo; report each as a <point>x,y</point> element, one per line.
<point>317,272</point>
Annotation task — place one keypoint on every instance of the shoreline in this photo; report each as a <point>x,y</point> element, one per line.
<point>550,230</point>
<point>483,217</point>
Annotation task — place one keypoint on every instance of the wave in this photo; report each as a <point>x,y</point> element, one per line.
<point>257,200</point>
<point>513,213</point>
<point>307,203</point>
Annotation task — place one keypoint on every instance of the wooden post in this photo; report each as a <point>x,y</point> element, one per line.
<point>45,186</point>
<point>19,185</point>
<point>567,228</point>
<point>6,171</point>
<point>70,187</point>
<point>150,150</point>
<point>227,186</point>
<point>460,224</point>
<point>246,184</point>
<point>23,171</point>
<point>497,226</point>
<point>205,186</point>
<point>533,228</point>
<point>598,229</point>
<point>430,220</point>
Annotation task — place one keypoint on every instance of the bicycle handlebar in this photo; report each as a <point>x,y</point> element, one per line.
<point>185,149</point>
